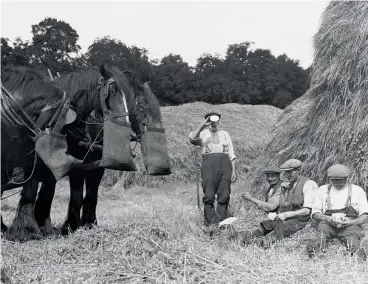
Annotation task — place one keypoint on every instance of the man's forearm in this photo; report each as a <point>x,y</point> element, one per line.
<point>233,165</point>
<point>362,219</point>
<point>300,212</point>
<point>320,217</point>
<point>196,132</point>
<point>266,206</point>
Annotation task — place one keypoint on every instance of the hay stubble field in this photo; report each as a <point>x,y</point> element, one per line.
<point>154,235</point>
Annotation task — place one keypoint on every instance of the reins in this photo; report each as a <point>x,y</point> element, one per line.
<point>62,108</point>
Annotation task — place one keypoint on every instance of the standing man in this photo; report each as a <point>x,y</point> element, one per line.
<point>341,208</point>
<point>218,167</point>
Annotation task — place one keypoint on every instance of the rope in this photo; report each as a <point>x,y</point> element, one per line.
<point>90,148</point>
<point>11,194</point>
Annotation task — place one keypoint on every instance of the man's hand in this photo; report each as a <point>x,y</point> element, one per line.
<point>332,221</point>
<point>283,216</point>
<point>246,196</point>
<point>344,222</point>
<point>285,184</point>
<point>234,177</point>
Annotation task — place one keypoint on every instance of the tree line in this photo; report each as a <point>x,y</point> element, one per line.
<point>244,75</point>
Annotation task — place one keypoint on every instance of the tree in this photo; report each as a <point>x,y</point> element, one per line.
<point>16,53</point>
<point>54,44</point>
<point>114,51</point>
<point>173,81</point>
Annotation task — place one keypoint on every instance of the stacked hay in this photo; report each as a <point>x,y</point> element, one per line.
<point>329,124</point>
<point>249,126</point>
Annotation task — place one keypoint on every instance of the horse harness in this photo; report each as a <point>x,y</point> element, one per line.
<point>17,116</point>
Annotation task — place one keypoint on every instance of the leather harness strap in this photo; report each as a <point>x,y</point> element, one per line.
<point>16,119</point>
<point>11,112</point>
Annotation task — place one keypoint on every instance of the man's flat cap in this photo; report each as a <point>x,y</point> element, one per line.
<point>291,164</point>
<point>271,169</point>
<point>338,171</point>
<point>212,113</point>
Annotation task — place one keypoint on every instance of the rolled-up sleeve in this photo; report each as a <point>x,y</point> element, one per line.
<point>195,141</point>
<point>309,191</point>
<point>363,203</point>
<point>231,148</point>
<point>317,206</point>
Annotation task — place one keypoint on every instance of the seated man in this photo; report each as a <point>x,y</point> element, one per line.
<point>295,202</point>
<point>341,209</point>
<point>271,197</point>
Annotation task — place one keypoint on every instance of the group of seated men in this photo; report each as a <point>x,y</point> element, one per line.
<point>340,208</point>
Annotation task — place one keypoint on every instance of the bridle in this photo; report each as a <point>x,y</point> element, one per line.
<point>102,90</point>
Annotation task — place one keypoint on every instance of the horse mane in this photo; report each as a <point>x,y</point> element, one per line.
<point>22,77</point>
<point>89,79</point>
<point>32,85</point>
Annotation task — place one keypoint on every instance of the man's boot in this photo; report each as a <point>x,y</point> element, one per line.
<point>250,235</point>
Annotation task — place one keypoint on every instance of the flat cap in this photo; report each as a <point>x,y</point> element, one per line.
<point>271,169</point>
<point>291,164</point>
<point>338,171</point>
<point>212,113</point>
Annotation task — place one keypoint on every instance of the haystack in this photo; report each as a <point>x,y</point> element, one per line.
<point>329,124</point>
<point>248,125</point>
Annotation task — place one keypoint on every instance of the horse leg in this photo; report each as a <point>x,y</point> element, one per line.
<point>93,180</point>
<point>73,220</point>
<point>24,226</point>
<point>43,204</point>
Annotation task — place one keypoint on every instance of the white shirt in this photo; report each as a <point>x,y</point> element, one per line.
<point>338,199</point>
<point>310,189</point>
<point>207,141</point>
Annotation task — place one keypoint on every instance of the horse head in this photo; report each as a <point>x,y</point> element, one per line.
<point>148,126</point>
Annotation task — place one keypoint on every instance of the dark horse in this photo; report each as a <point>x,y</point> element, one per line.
<point>26,93</point>
<point>144,112</point>
<point>28,221</point>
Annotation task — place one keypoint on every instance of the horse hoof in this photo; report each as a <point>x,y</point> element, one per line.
<point>90,226</point>
<point>47,229</point>
<point>24,226</point>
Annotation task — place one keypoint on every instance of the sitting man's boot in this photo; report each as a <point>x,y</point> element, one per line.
<point>17,175</point>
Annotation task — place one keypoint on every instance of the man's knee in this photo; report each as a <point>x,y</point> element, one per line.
<point>351,237</point>
<point>223,194</point>
<point>209,195</point>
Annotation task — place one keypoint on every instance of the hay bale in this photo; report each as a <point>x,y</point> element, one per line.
<point>248,125</point>
<point>329,124</point>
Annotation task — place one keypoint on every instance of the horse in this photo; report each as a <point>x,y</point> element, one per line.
<point>29,104</point>
<point>22,228</point>
<point>144,117</point>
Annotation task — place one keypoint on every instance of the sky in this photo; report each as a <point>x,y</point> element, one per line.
<point>187,28</point>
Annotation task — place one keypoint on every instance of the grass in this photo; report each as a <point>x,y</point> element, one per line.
<point>154,235</point>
